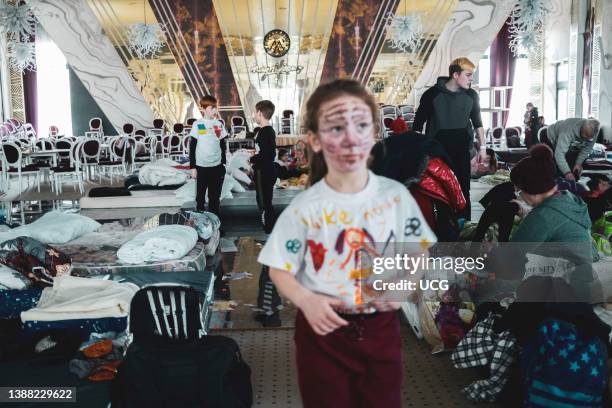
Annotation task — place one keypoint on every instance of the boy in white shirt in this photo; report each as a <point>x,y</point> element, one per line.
<point>207,149</point>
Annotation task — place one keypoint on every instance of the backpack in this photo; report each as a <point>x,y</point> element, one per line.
<point>206,373</point>
<point>166,313</point>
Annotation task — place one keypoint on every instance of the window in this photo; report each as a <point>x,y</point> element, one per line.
<point>53,91</point>
<point>562,77</point>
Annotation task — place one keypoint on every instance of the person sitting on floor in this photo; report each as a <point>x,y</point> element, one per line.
<point>558,226</point>
<point>599,197</point>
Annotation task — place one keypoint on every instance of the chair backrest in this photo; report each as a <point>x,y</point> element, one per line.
<point>237,121</point>
<point>42,144</point>
<point>11,154</point>
<point>76,154</point>
<point>387,122</point>
<point>128,128</point>
<point>29,130</point>
<point>389,110</point>
<point>16,123</point>
<point>4,130</point>
<point>512,131</point>
<point>185,143</point>
<point>498,133</point>
<point>542,132</point>
<point>287,113</point>
<point>64,144</point>
<point>238,129</point>
<point>122,148</point>
<point>404,109</point>
<point>95,124</point>
<point>10,127</point>
<point>178,128</point>
<point>190,121</point>
<point>90,149</point>
<point>53,130</point>
<point>159,123</point>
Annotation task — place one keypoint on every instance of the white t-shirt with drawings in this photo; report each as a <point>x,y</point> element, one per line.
<point>208,149</point>
<point>317,236</point>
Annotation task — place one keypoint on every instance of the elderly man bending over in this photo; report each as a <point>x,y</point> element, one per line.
<point>572,140</point>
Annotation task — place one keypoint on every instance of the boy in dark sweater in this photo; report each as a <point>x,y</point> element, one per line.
<point>264,166</point>
<point>263,163</point>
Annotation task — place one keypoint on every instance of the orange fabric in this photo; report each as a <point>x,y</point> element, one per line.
<point>105,372</point>
<point>99,349</point>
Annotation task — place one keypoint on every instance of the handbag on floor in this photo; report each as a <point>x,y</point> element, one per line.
<point>208,372</point>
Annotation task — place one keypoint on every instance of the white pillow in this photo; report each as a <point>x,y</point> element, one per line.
<point>56,227</point>
<point>11,279</point>
<point>241,176</point>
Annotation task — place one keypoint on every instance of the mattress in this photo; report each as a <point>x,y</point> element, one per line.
<point>95,254</point>
<point>146,198</point>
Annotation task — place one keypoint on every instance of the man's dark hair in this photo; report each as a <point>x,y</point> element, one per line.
<point>266,108</point>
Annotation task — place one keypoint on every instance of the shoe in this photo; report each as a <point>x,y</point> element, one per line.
<point>267,320</point>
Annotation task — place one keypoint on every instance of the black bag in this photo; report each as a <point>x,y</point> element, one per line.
<point>166,312</point>
<point>206,373</point>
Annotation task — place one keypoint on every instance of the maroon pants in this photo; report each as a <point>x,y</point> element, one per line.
<point>359,365</point>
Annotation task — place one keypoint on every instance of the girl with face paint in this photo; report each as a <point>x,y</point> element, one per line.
<point>347,344</point>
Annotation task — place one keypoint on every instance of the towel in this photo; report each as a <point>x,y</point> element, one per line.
<point>159,244</point>
<point>71,297</point>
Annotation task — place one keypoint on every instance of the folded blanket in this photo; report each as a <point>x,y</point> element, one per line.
<point>159,174</point>
<point>159,244</point>
<point>81,298</point>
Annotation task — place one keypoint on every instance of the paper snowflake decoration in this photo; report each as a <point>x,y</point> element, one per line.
<point>145,40</point>
<point>22,56</point>
<point>17,20</point>
<point>526,26</point>
<point>405,32</point>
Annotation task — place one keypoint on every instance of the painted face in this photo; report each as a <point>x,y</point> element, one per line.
<point>464,78</point>
<point>346,133</point>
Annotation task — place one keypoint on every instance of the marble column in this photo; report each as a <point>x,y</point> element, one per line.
<point>469,32</point>
<point>73,27</point>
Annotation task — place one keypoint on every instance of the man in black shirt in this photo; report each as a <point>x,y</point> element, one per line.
<point>263,163</point>
<point>452,111</point>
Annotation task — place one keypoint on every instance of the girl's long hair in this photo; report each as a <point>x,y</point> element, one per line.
<point>325,93</point>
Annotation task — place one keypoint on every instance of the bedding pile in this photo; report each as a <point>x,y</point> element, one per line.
<point>159,244</point>
<point>161,173</point>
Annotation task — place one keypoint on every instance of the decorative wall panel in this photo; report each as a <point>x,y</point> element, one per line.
<point>73,27</point>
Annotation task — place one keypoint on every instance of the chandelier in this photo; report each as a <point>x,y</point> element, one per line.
<point>145,40</point>
<point>276,70</point>
<point>405,32</point>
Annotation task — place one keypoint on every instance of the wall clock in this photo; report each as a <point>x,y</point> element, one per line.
<point>276,43</point>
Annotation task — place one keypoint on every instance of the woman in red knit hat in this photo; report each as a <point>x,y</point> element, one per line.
<point>558,225</point>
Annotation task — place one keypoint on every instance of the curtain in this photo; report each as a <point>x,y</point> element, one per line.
<point>502,69</point>
<point>30,95</point>
<point>587,74</point>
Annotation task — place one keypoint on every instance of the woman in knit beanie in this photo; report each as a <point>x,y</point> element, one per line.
<point>558,226</point>
<point>535,175</point>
